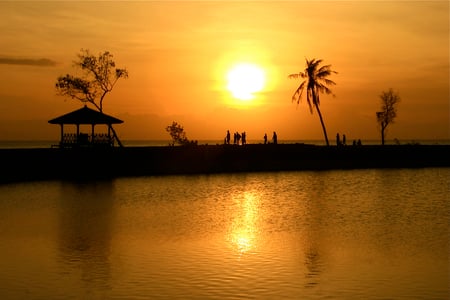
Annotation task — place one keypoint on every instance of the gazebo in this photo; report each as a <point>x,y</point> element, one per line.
<point>85,116</point>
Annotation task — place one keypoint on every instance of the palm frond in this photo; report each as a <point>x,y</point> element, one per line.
<point>321,88</point>
<point>296,97</point>
<point>294,76</point>
<point>324,68</point>
<point>313,63</point>
<point>329,82</point>
<point>322,74</point>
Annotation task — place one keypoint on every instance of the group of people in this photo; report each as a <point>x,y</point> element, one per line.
<point>274,138</point>
<point>344,141</point>
<point>338,140</point>
<point>238,138</point>
<point>241,138</point>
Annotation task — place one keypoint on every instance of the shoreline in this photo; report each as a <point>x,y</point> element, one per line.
<point>34,164</point>
<point>32,144</point>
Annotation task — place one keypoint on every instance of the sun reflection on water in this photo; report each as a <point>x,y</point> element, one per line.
<point>243,231</point>
<point>289,235</point>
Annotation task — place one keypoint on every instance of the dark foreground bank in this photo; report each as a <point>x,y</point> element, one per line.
<point>91,163</point>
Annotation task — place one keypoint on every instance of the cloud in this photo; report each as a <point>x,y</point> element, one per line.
<point>40,62</point>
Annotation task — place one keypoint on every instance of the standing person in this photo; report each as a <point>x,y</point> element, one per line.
<point>338,139</point>
<point>238,138</point>
<point>265,138</point>
<point>228,137</point>
<point>275,138</point>
<point>244,138</point>
<point>344,140</point>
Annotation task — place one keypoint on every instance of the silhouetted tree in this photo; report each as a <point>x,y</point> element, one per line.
<point>315,82</point>
<point>389,101</point>
<point>100,75</point>
<point>177,134</point>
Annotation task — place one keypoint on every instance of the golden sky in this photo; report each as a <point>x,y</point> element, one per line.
<point>178,54</point>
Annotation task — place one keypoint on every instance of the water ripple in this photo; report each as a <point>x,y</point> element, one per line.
<point>287,235</point>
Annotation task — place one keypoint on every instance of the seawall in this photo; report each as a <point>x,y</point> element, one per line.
<point>97,163</point>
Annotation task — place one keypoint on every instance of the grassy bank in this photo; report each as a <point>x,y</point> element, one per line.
<point>91,163</point>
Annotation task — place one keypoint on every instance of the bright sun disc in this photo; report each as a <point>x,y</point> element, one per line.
<point>244,80</point>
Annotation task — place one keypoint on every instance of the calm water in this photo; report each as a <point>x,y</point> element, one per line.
<point>362,234</point>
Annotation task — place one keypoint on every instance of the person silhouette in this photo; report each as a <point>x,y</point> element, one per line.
<point>275,138</point>
<point>265,138</point>
<point>228,137</point>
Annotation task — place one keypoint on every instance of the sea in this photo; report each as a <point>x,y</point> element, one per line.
<point>9,144</point>
<point>341,234</point>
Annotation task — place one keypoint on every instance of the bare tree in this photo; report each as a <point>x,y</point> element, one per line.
<point>315,82</point>
<point>389,102</point>
<point>100,75</point>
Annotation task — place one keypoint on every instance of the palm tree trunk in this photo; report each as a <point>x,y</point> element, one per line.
<point>323,125</point>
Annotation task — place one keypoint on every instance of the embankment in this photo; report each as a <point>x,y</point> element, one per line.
<point>92,163</point>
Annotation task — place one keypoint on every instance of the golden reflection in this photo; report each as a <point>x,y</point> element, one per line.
<point>244,227</point>
<point>86,219</point>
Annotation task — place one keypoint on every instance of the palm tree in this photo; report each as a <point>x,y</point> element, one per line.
<point>316,82</point>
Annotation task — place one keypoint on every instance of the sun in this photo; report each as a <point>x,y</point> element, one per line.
<point>244,80</point>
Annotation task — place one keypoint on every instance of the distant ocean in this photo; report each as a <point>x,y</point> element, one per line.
<point>21,144</point>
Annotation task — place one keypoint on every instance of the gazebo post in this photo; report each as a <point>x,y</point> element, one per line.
<point>61,143</point>
<point>92,134</point>
<point>109,134</point>
<point>78,133</point>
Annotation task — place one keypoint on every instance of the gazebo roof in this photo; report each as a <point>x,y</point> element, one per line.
<point>85,115</point>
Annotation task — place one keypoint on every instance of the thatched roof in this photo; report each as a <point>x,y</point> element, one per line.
<point>85,115</point>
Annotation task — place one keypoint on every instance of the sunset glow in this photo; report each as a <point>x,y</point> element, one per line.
<point>205,63</point>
